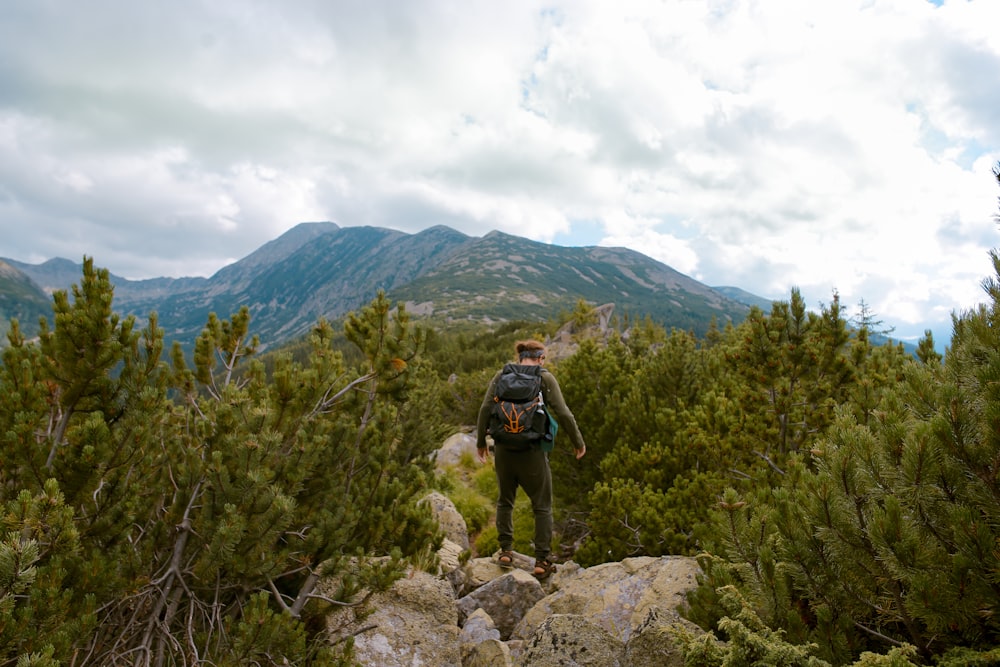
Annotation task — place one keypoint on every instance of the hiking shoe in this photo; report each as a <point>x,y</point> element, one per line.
<point>506,559</point>
<point>543,569</point>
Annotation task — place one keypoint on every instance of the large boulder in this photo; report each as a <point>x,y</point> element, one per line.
<point>506,599</point>
<point>454,448</point>
<point>480,571</point>
<point>609,614</point>
<point>448,517</point>
<point>568,640</point>
<point>565,342</point>
<point>651,643</point>
<point>616,596</point>
<point>415,622</point>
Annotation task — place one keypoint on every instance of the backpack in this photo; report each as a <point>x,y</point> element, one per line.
<point>519,418</point>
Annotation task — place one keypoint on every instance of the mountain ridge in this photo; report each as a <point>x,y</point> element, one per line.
<point>21,298</point>
<point>321,269</point>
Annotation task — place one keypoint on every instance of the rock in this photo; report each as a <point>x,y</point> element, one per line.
<point>480,642</point>
<point>478,628</point>
<point>609,614</point>
<point>616,596</point>
<point>451,452</point>
<point>449,518</point>
<point>565,341</point>
<point>479,571</point>
<point>449,556</point>
<point>652,645</point>
<point>413,623</point>
<point>569,640</point>
<point>506,599</point>
<point>491,653</point>
<point>516,647</point>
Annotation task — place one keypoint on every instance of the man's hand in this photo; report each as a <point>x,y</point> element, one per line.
<point>483,454</point>
<point>580,452</point>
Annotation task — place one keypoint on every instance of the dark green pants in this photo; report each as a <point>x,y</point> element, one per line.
<point>529,470</point>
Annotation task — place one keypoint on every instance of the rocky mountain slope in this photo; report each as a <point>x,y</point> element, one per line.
<point>322,270</point>
<point>21,299</point>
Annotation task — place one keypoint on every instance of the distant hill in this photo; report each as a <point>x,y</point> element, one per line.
<point>501,277</point>
<point>323,270</point>
<point>21,299</point>
<point>744,297</point>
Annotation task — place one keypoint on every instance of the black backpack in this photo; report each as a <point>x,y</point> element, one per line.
<point>519,419</point>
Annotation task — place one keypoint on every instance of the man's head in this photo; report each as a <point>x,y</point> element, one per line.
<point>530,351</point>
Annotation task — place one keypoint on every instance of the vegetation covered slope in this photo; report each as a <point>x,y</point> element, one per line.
<point>167,514</point>
<point>504,277</point>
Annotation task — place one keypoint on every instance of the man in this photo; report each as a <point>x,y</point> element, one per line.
<point>527,466</point>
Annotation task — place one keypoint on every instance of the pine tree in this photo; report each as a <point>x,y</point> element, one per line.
<point>888,535</point>
<point>795,371</point>
<point>656,468</point>
<point>925,349</point>
<point>698,418</point>
<point>173,514</point>
<point>593,381</point>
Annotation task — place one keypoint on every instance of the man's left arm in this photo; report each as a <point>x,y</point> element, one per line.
<point>483,421</point>
<point>554,399</point>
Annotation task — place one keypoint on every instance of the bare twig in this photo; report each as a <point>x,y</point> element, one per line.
<point>770,463</point>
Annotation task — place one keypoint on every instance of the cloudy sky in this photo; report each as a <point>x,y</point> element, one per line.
<point>768,144</point>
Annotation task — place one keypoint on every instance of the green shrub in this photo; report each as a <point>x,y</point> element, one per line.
<point>475,508</point>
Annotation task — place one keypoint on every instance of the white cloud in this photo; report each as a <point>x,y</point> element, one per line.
<point>828,146</point>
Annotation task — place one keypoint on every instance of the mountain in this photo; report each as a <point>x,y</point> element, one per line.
<point>503,277</point>
<point>320,269</point>
<point>21,299</point>
<point>744,297</point>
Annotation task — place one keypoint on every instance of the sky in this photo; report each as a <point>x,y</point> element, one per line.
<point>835,147</point>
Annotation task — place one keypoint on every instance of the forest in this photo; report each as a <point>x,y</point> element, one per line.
<point>166,508</point>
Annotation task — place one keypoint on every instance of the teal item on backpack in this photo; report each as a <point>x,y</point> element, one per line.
<point>548,441</point>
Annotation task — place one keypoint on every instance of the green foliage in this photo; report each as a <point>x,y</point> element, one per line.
<point>187,513</point>
<point>887,534</point>
<point>475,508</point>
<point>261,635</point>
<point>583,315</point>
<point>593,382</point>
<point>882,531</point>
<point>926,351</point>
<point>40,540</point>
<point>968,657</point>
<point>485,482</point>
<point>794,372</point>
<point>751,643</point>
<point>41,659</point>
<point>631,519</point>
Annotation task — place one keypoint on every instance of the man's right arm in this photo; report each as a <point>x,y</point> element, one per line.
<point>483,421</point>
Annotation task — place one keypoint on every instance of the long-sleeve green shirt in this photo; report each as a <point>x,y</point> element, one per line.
<point>554,401</point>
